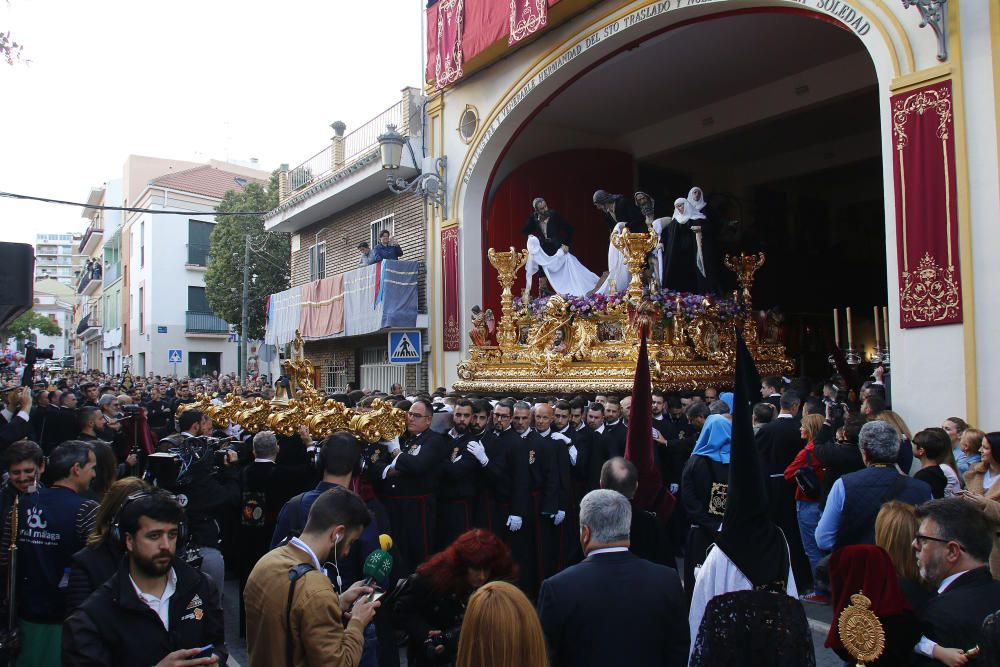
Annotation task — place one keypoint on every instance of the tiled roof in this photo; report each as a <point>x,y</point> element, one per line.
<point>204,180</point>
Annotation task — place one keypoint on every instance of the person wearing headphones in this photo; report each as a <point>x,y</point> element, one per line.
<point>295,616</point>
<point>114,625</point>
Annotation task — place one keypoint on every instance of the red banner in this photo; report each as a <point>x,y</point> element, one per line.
<point>926,207</point>
<point>448,57</point>
<point>526,17</point>
<point>449,282</point>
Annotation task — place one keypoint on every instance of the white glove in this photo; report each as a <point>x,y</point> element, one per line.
<point>561,437</point>
<point>620,226</point>
<point>476,449</point>
<point>558,518</point>
<point>514,523</point>
<point>674,488</point>
<point>393,444</point>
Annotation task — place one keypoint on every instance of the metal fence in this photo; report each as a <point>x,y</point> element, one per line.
<point>314,168</point>
<point>376,371</point>
<point>197,322</point>
<point>365,138</point>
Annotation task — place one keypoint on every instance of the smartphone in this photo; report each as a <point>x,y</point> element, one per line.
<point>375,595</point>
<point>203,652</point>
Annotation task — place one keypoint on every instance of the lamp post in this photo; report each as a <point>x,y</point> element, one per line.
<point>430,186</point>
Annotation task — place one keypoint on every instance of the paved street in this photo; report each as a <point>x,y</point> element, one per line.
<point>819,620</point>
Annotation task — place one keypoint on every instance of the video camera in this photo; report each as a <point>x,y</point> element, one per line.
<point>31,356</point>
<point>175,468</point>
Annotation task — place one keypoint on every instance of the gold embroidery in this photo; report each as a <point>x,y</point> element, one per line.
<point>531,457</point>
<point>929,294</point>
<point>860,630</point>
<point>528,22</point>
<point>717,499</point>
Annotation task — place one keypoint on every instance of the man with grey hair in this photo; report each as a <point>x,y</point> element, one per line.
<point>614,607</point>
<point>856,498</point>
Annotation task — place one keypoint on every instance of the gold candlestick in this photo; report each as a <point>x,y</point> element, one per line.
<point>745,266</point>
<point>507,263</point>
<point>635,247</point>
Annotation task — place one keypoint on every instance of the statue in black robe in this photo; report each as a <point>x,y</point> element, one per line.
<point>550,227</point>
<point>681,248</point>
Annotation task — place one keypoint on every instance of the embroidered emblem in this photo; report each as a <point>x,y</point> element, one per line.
<point>531,457</point>
<point>454,454</point>
<point>717,499</point>
<point>195,602</point>
<point>374,456</point>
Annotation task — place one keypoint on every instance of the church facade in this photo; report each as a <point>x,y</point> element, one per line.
<point>853,141</point>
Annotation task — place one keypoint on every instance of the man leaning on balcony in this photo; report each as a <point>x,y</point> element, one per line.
<point>387,248</point>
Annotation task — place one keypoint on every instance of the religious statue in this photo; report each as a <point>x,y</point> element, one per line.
<point>483,325</point>
<point>548,241</point>
<point>546,337</point>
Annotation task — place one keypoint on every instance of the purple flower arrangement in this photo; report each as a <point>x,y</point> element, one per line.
<point>692,305</point>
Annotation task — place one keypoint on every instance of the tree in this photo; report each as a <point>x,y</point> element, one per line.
<point>22,327</point>
<point>270,256</point>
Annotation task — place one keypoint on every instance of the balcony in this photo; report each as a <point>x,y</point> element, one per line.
<point>92,237</point>
<point>112,272</point>
<point>90,279</point>
<point>198,254</point>
<point>344,150</point>
<point>90,326</point>
<point>205,323</point>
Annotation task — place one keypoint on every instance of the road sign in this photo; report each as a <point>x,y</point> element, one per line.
<point>405,347</point>
<point>175,356</point>
<point>161,329</point>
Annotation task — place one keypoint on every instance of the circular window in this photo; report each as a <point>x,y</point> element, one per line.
<point>468,123</point>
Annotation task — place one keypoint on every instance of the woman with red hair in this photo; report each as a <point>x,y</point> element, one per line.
<point>432,603</point>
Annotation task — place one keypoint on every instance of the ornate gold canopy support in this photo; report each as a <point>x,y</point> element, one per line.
<point>507,265</point>
<point>635,247</point>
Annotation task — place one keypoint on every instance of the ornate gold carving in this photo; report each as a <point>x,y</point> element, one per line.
<point>635,247</point>
<point>919,102</point>
<point>717,498</point>
<point>929,294</point>
<point>745,266</point>
<point>507,265</point>
<point>860,630</point>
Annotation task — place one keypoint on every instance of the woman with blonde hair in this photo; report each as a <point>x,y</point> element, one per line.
<point>981,488</point>
<point>808,473</point>
<point>501,629</point>
<point>895,528</point>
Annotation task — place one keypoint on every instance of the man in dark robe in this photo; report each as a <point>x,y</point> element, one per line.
<point>616,208</point>
<point>549,226</point>
<point>458,488</point>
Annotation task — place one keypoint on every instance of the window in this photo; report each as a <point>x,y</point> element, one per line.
<point>198,300</point>
<point>378,226</point>
<point>142,308</point>
<point>142,246</point>
<point>317,261</point>
<point>199,241</point>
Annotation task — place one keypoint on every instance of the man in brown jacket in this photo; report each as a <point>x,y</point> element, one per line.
<point>308,627</point>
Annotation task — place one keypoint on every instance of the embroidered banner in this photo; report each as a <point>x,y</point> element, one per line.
<point>448,59</point>
<point>526,17</point>
<point>450,278</point>
<point>926,207</point>
<point>322,307</point>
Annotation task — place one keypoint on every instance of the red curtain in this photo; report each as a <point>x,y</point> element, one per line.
<point>450,277</point>
<point>567,181</point>
<point>926,207</point>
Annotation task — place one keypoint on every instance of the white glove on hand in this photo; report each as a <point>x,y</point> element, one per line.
<point>392,444</point>
<point>674,488</point>
<point>558,518</point>
<point>514,523</point>
<point>476,449</point>
<point>561,437</point>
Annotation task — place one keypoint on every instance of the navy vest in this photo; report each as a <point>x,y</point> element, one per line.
<point>864,493</point>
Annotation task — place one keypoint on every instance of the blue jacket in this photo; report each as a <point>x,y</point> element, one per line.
<point>380,252</point>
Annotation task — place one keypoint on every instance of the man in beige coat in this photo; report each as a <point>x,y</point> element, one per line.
<point>311,630</point>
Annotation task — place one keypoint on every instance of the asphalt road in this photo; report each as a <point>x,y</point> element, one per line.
<point>819,621</point>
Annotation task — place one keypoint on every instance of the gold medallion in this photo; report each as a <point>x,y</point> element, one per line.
<point>531,457</point>
<point>860,630</point>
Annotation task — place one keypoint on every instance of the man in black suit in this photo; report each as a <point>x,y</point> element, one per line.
<point>16,417</point>
<point>613,608</point>
<point>647,537</point>
<point>770,390</point>
<point>550,227</point>
<point>953,548</point>
<point>778,443</point>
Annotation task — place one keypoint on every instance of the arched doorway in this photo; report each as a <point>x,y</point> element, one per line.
<point>774,113</point>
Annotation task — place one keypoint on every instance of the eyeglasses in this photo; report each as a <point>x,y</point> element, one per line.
<point>417,415</point>
<point>921,539</point>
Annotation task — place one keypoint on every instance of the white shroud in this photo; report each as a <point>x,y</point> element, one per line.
<point>566,275</point>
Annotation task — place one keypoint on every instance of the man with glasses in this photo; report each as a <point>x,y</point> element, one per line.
<point>410,483</point>
<point>953,547</point>
<point>855,499</point>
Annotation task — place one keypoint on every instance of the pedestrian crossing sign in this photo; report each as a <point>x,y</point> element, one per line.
<point>174,356</point>
<point>405,347</point>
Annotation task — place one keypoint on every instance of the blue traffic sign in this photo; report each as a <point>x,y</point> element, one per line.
<point>161,329</point>
<point>405,347</point>
<point>175,356</point>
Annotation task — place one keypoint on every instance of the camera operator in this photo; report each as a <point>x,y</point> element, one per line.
<point>114,626</point>
<point>15,417</point>
<point>159,414</point>
<point>207,485</point>
<point>54,524</point>
<point>295,617</point>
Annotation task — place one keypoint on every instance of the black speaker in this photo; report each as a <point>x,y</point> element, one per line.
<point>17,278</point>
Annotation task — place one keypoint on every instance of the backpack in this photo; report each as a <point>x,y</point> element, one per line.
<point>806,478</point>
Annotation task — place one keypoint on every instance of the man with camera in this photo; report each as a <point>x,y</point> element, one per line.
<point>15,417</point>
<point>115,627</point>
<point>205,479</point>
<point>295,617</point>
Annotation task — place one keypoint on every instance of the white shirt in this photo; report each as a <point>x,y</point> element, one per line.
<point>925,645</point>
<point>785,415</point>
<point>263,460</point>
<point>606,550</point>
<point>299,544</point>
<point>160,605</point>
<point>8,415</point>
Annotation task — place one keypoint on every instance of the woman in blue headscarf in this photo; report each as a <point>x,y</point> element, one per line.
<point>704,484</point>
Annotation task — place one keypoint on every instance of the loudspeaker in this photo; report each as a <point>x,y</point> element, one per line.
<point>17,275</point>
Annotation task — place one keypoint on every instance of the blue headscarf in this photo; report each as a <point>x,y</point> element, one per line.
<point>727,398</point>
<point>716,439</point>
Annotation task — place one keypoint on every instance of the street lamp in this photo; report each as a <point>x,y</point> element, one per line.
<point>430,186</point>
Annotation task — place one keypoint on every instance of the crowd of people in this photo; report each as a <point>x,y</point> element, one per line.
<point>519,531</point>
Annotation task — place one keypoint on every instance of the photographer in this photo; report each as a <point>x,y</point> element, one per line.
<point>205,480</point>
<point>295,617</point>
<point>114,626</point>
